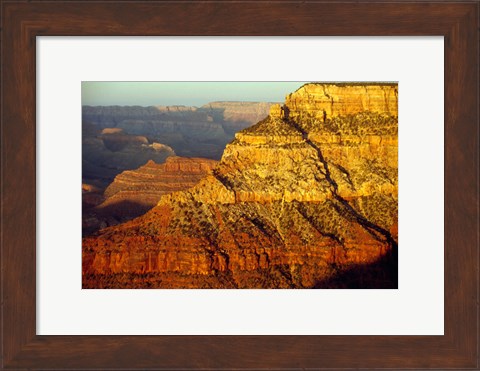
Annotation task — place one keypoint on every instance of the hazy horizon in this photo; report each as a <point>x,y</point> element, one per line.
<point>114,93</point>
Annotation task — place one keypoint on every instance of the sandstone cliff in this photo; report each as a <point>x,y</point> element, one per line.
<point>339,99</point>
<point>302,199</point>
<point>236,116</point>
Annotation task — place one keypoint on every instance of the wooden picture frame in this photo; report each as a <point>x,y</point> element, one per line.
<point>23,21</point>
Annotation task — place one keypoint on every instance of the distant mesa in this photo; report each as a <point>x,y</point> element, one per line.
<point>107,131</point>
<point>107,152</point>
<point>190,131</point>
<point>177,108</point>
<point>115,140</point>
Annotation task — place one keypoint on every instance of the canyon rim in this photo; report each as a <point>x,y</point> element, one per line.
<point>296,193</point>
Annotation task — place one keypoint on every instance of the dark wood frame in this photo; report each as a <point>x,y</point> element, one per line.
<point>22,21</point>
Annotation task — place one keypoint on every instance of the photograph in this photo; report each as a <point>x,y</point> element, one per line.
<point>239,185</point>
<point>215,185</point>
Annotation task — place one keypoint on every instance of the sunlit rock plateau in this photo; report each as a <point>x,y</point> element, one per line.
<point>305,198</point>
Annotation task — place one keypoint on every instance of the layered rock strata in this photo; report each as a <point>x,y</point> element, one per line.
<point>190,131</point>
<point>299,200</point>
<point>235,116</point>
<point>340,99</point>
<point>110,151</point>
<point>134,192</point>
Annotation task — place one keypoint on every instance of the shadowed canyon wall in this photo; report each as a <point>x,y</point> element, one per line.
<point>117,138</point>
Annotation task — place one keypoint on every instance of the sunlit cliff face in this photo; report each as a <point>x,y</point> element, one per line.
<point>306,198</point>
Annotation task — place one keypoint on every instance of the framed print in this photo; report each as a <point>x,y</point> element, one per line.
<point>294,312</point>
<point>415,64</point>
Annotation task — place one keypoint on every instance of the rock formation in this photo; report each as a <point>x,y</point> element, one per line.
<point>319,100</point>
<point>235,116</point>
<point>306,198</point>
<point>107,152</point>
<point>134,192</point>
<point>190,131</point>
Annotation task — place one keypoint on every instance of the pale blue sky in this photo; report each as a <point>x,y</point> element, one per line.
<point>100,93</point>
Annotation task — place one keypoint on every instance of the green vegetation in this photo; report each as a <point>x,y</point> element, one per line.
<point>364,123</point>
<point>269,126</point>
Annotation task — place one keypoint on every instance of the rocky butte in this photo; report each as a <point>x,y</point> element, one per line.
<point>107,152</point>
<point>134,192</point>
<point>306,198</point>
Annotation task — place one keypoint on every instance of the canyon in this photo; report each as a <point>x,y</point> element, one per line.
<point>109,151</point>
<point>134,192</point>
<point>305,198</point>
<point>118,138</point>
